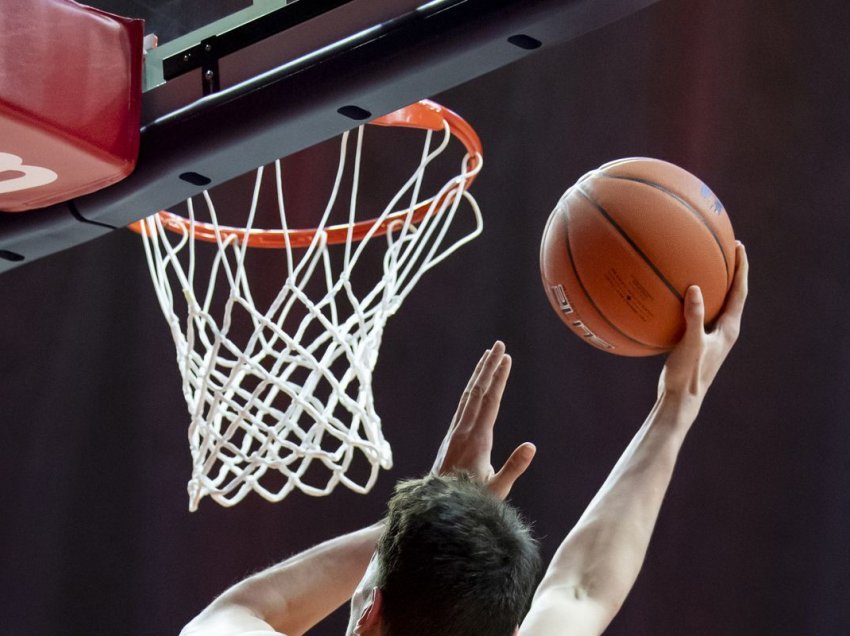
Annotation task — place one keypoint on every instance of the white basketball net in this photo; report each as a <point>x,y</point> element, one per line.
<point>259,415</point>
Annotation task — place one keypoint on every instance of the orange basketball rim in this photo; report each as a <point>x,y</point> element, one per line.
<point>423,115</point>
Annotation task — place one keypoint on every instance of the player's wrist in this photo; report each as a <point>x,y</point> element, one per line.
<point>677,407</point>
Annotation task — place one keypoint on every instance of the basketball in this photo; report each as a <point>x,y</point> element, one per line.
<point>623,245</point>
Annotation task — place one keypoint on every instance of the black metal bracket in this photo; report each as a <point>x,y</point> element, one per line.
<point>245,35</point>
<point>210,77</point>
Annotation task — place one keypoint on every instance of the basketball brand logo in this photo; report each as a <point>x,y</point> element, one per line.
<point>23,176</point>
<point>578,325</point>
<point>715,204</point>
<point>563,301</point>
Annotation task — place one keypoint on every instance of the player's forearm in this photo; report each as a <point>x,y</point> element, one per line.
<point>295,594</point>
<point>602,555</point>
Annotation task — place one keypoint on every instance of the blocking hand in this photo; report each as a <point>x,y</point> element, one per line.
<point>469,441</point>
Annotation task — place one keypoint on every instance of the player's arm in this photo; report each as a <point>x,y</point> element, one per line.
<point>596,566</point>
<point>292,596</point>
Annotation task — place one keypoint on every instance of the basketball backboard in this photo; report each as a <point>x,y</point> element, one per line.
<point>234,84</point>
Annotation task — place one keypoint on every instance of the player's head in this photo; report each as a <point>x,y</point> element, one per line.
<point>453,559</point>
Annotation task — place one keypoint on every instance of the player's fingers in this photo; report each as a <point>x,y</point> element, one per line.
<point>477,371</point>
<point>730,320</point>
<point>464,398</point>
<point>476,394</point>
<point>694,312</point>
<point>492,398</point>
<point>491,363</point>
<point>514,467</point>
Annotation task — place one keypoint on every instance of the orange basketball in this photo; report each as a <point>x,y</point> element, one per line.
<point>621,248</point>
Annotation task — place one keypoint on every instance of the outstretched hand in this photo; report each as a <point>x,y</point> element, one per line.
<point>692,365</point>
<point>469,441</point>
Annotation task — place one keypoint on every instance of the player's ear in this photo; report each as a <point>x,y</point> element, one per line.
<point>370,620</point>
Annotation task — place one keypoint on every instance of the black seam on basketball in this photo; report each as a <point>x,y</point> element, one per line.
<point>690,208</point>
<point>590,298</point>
<point>637,250</point>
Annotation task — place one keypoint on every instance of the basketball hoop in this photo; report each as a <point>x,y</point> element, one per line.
<point>296,392</point>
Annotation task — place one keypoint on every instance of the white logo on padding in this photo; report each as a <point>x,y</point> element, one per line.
<point>33,177</point>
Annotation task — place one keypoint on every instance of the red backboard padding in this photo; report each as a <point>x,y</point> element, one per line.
<point>70,98</point>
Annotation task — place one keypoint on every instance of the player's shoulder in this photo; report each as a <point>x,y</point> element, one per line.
<point>559,611</point>
<point>250,632</point>
<point>229,622</point>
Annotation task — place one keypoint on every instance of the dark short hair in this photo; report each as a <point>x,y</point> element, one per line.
<point>454,559</point>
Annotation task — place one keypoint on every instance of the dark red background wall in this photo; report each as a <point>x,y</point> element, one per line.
<point>753,97</point>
